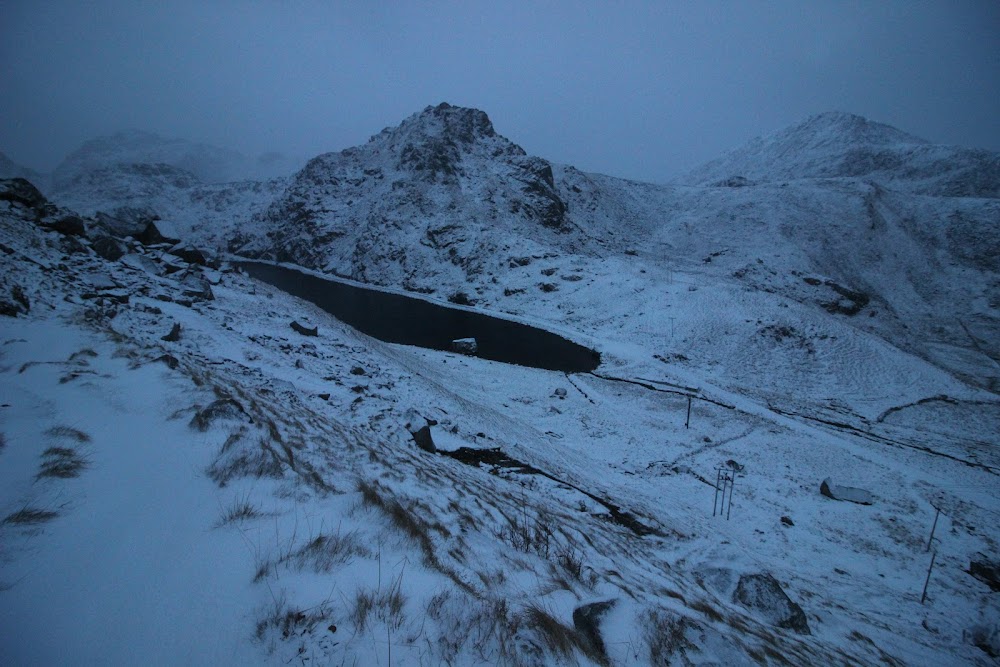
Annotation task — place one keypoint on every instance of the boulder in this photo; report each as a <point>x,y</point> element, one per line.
<point>304,330</point>
<point>126,220</point>
<point>986,570</point>
<point>189,254</point>
<point>21,191</point>
<point>109,248</point>
<point>587,621</point>
<point>461,299</point>
<point>156,231</point>
<point>197,287</point>
<point>985,638</point>
<point>174,335</point>
<point>71,245</point>
<point>560,393</point>
<point>846,493</point>
<point>763,594</point>
<point>70,225</point>
<point>423,439</point>
<point>467,346</point>
<point>168,359</point>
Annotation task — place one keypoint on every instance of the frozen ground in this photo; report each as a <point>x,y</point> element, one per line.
<point>303,526</point>
<point>238,492</point>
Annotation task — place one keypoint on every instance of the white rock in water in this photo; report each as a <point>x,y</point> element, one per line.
<point>465,346</point>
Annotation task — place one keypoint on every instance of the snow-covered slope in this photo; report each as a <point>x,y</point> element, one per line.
<point>822,327</point>
<point>439,201</point>
<point>237,492</point>
<point>838,145</point>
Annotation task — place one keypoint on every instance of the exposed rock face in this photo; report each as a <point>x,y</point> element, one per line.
<point>987,571</point>
<point>984,637</point>
<point>126,220</point>
<point>189,254</point>
<point>70,225</point>
<point>152,235</point>
<point>587,621</point>
<point>22,192</point>
<point>763,594</point>
<point>305,331</point>
<point>423,439</point>
<point>440,193</point>
<point>109,248</point>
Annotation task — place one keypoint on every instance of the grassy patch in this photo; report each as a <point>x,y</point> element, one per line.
<point>240,510</point>
<point>326,551</point>
<point>29,516</point>
<point>386,606</point>
<point>560,639</point>
<point>666,635</point>
<point>69,433</point>
<point>61,463</point>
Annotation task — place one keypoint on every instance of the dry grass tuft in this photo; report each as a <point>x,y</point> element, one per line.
<point>326,551</point>
<point>69,433</point>
<point>61,463</point>
<point>240,510</point>
<point>29,516</point>
<point>387,606</point>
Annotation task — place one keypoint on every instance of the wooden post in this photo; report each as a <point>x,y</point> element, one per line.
<point>924,596</point>
<point>732,483</point>
<point>687,421</point>
<point>933,528</point>
<point>718,475</point>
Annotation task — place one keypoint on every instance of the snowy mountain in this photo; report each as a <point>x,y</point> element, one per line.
<point>439,201</point>
<point>827,343</point>
<point>209,164</point>
<point>842,145</point>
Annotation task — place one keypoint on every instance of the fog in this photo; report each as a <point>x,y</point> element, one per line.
<point>640,90</point>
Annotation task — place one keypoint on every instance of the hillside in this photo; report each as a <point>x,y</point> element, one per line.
<point>841,145</point>
<point>785,333</point>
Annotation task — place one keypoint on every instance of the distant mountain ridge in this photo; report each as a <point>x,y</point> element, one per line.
<point>83,168</point>
<point>11,169</point>
<point>843,145</point>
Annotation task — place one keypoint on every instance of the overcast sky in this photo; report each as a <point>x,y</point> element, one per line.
<point>642,90</point>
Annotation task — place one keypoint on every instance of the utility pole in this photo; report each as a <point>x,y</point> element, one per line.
<point>924,596</point>
<point>687,421</point>
<point>933,528</point>
<point>725,479</point>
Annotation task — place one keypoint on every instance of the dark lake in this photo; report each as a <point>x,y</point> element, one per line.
<point>395,318</point>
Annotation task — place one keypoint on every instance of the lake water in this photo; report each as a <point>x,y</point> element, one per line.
<point>396,318</point>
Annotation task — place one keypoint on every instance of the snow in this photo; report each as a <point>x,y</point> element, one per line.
<point>697,292</point>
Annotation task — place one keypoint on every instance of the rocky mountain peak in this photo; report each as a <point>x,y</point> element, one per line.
<point>460,125</point>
